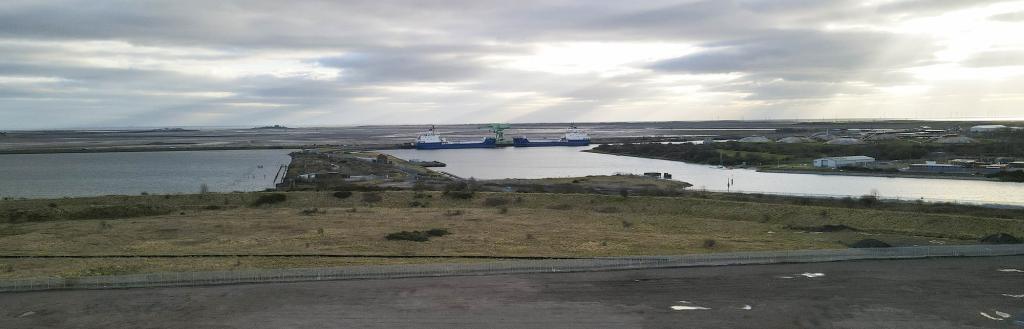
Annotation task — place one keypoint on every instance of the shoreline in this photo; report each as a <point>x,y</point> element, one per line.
<point>871,174</point>
<point>832,173</point>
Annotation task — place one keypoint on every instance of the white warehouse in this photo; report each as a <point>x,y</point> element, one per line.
<point>837,162</point>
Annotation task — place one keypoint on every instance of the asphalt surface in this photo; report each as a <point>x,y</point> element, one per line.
<point>923,293</point>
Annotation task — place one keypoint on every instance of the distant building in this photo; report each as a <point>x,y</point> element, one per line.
<point>653,174</point>
<point>938,168</point>
<point>839,162</point>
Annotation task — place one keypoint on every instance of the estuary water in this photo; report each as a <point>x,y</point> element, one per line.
<point>91,174</point>
<point>544,162</point>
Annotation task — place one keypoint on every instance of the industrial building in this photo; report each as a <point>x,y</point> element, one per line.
<point>847,161</point>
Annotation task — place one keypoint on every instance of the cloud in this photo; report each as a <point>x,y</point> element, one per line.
<point>996,58</point>
<point>319,62</point>
<point>1009,17</point>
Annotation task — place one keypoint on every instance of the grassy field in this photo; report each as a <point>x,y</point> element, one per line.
<point>488,224</point>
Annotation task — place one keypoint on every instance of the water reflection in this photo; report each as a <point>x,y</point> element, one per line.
<point>570,161</point>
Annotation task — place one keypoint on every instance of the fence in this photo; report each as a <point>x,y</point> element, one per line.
<point>181,279</point>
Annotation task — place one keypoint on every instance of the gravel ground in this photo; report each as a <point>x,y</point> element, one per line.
<point>923,293</point>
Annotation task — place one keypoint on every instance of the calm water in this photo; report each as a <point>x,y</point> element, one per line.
<point>544,162</point>
<point>88,174</point>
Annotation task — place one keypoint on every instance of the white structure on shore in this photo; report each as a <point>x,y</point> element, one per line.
<point>987,128</point>
<point>755,139</point>
<point>839,162</point>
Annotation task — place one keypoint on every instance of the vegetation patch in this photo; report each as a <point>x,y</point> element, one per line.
<point>372,197</point>
<point>417,236</point>
<point>342,194</point>
<point>267,199</point>
<point>495,201</point>
<point>1001,238</point>
<point>870,243</point>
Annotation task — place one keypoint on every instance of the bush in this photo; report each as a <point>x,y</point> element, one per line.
<point>438,232</point>
<point>311,211</point>
<point>453,212</point>
<point>465,195</point>
<point>868,200</point>
<point>870,243</point>
<point>342,194</point>
<point>624,193</point>
<point>495,201</point>
<point>503,210</point>
<point>709,243</point>
<point>607,210</point>
<point>269,199</point>
<point>417,204</point>
<point>627,224</point>
<point>416,236</point>
<point>1000,238</point>
<point>372,197</point>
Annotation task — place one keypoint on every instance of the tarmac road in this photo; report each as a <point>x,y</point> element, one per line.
<point>922,293</point>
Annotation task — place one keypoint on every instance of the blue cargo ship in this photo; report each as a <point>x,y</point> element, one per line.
<point>573,137</point>
<point>432,141</point>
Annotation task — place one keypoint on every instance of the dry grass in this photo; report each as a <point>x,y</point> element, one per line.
<point>535,225</point>
<point>70,268</point>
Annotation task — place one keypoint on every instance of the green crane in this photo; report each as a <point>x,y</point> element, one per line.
<point>499,131</point>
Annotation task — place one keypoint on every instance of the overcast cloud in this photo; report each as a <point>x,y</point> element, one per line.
<point>323,63</point>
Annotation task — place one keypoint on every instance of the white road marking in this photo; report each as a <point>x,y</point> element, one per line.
<point>1010,270</point>
<point>813,275</point>
<point>689,308</point>
<point>1014,296</point>
<point>989,316</point>
<point>1004,315</point>
<point>746,307</point>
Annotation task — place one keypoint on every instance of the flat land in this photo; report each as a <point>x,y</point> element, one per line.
<point>922,293</point>
<point>368,137</point>
<point>226,231</point>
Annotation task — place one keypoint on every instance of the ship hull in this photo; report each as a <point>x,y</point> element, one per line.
<point>446,146</point>
<point>522,142</point>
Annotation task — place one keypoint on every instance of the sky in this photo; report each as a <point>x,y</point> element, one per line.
<point>96,63</point>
